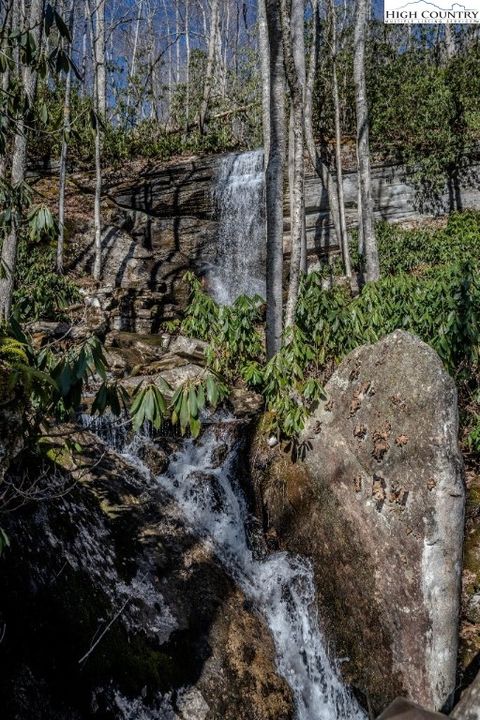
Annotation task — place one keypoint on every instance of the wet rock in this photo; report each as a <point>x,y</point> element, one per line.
<point>115,609</point>
<point>378,504</point>
<point>245,402</point>
<point>402,709</point>
<point>468,707</point>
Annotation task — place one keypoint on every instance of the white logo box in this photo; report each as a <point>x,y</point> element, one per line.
<point>434,12</point>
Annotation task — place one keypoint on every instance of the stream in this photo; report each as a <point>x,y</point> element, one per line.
<point>280,585</point>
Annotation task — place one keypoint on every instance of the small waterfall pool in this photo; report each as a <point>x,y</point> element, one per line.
<point>281,586</point>
<point>241,244</point>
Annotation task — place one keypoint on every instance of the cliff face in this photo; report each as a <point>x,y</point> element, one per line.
<point>163,221</point>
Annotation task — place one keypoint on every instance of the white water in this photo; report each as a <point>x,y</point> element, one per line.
<point>280,585</point>
<point>241,244</point>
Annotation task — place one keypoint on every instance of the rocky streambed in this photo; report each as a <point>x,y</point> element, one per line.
<point>166,578</point>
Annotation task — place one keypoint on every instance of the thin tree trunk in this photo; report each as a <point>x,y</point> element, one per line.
<point>372,269</point>
<point>298,215</point>
<point>450,41</point>
<point>98,49</point>
<point>134,50</point>
<point>187,68</point>
<point>338,148</point>
<point>9,24</point>
<point>170,64</point>
<point>177,44</point>
<point>212,47</point>
<point>64,150</point>
<point>298,42</point>
<point>9,248</point>
<point>321,168</point>
<point>264,52</point>
<point>274,181</point>
<point>83,86</point>
<point>100,68</point>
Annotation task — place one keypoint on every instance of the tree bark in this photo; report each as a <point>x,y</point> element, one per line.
<point>187,67</point>
<point>98,50</point>
<point>450,41</point>
<point>298,43</point>
<point>298,175</point>
<point>274,181</point>
<point>264,52</point>
<point>64,150</point>
<point>133,64</point>
<point>321,168</point>
<point>338,148</point>
<point>100,67</point>
<point>372,268</point>
<point>9,248</point>
<point>212,51</point>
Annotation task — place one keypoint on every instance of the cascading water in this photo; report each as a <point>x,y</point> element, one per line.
<point>280,585</point>
<point>241,245</point>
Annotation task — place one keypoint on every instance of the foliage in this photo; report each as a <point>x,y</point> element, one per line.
<point>431,287</point>
<point>424,106</point>
<point>416,250</point>
<point>40,292</point>
<point>473,438</point>
<point>155,401</point>
<point>149,404</point>
<point>232,331</point>
<point>191,398</point>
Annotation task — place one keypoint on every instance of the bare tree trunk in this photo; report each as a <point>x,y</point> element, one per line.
<point>134,50</point>
<point>9,248</point>
<point>98,50</point>
<point>177,43</point>
<point>450,41</point>
<point>338,148</point>
<point>100,68</point>
<point>170,63</point>
<point>264,52</point>
<point>212,48</point>
<point>9,24</point>
<point>372,269</point>
<point>298,206</point>
<point>298,42</point>
<point>321,168</point>
<point>64,150</point>
<point>274,181</point>
<point>83,86</point>
<point>187,68</point>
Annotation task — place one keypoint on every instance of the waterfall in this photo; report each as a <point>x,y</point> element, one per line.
<point>280,585</point>
<point>241,245</point>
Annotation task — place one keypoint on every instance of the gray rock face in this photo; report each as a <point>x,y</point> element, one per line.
<point>378,504</point>
<point>166,222</point>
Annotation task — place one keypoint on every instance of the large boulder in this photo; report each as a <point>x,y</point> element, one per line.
<point>378,504</point>
<point>113,609</point>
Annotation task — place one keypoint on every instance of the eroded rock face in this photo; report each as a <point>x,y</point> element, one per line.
<point>116,610</point>
<point>378,504</point>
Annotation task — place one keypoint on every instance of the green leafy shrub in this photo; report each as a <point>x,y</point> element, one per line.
<point>40,292</point>
<point>150,403</point>
<point>430,287</point>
